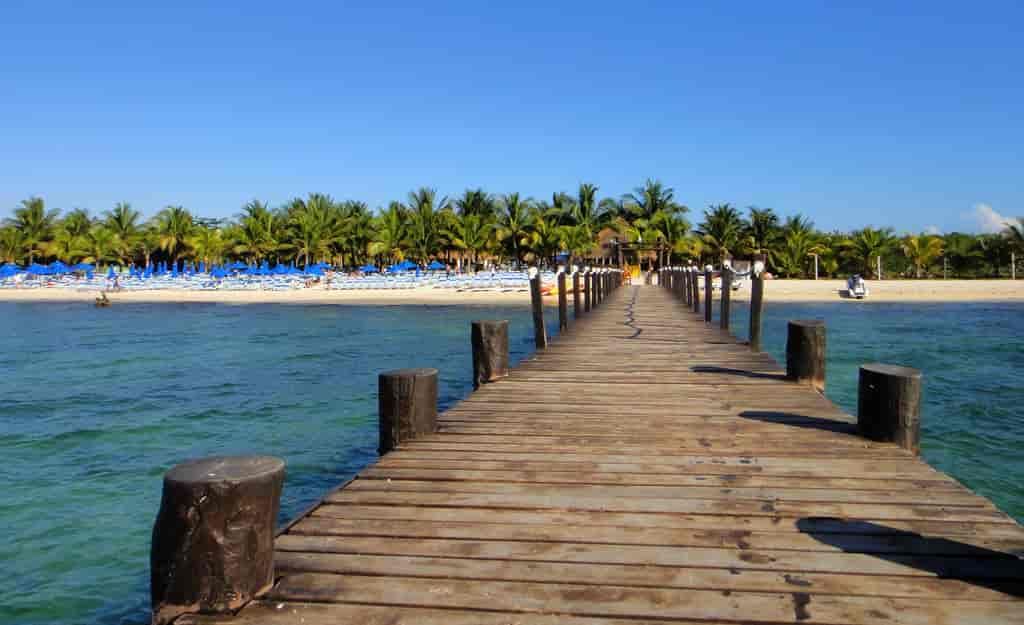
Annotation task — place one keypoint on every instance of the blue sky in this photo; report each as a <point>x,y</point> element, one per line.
<point>902,114</point>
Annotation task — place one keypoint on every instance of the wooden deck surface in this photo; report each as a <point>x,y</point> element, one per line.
<point>646,468</point>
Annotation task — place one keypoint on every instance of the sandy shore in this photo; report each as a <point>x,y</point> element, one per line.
<point>775,290</point>
<point>893,291</point>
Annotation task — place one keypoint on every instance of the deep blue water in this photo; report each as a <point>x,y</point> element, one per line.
<point>97,404</point>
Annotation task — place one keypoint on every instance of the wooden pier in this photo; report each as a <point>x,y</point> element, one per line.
<point>646,467</point>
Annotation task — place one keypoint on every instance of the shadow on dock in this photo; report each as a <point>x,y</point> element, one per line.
<point>799,421</point>
<point>737,372</point>
<point>946,559</point>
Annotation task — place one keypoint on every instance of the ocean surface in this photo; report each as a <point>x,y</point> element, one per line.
<point>98,403</point>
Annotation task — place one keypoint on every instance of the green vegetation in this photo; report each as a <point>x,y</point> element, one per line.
<point>647,225</point>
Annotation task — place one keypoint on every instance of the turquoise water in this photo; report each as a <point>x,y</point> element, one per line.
<point>97,404</point>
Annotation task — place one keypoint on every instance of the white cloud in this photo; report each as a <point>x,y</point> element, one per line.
<point>932,230</point>
<point>988,219</point>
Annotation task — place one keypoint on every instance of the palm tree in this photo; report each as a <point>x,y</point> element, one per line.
<point>99,245</point>
<point>391,232</point>
<point>425,222</point>
<point>475,202</point>
<point>791,258</point>
<point>472,233</point>
<point>673,230</point>
<point>721,230</point>
<point>255,238</point>
<point>313,225</point>
<point>546,236</point>
<point>514,223</point>
<point>865,246</point>
<point>65,245</point>
<point>12,244</point>
<point>77,223</point>
<point>922,251</point>
<point>652,198</point>
<point>963,252</point>
<point>123,222</point>
<point>762,230</point>
<point>1014,233</point>
<point>995,249</point>
<point>208,244</point>
<point>35,224</point>
<point>174,227</point>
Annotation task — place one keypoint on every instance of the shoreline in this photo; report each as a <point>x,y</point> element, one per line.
<point>810,291</point>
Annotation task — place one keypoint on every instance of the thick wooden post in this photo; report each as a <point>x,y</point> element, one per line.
<point>725,309</point>
<point>540,335</point>
<point>805,352</point>
<point>756,302</point>
<point>213,540</point>
<point>889,405</point>
<point>576,305</point>
<point>563,303</point>
<point>598,295</point>
<point>707,294</point>
<point>695,288</point>
<point>406,405</point>
<point>490,351</point>
<point>588,289</point>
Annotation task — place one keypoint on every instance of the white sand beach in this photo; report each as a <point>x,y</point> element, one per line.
<point>775,290</point>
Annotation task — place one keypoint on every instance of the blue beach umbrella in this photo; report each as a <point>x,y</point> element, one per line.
<point>83,267</point>
<point>202,266</point>
<point>368,269</point>
<point>111,274</point>
<point>436,266</point>
<point>58,267</point>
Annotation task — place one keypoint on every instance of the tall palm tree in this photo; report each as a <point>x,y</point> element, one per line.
<point>425,222</point>
<point>673,231</point>
<point>792,257</point>
<point>1014,233</point>
<point>256,236</point>
<point>922,251</point>
<point>391,232</point>
<point>475,202</point>
<point>174,227</point>
<point>208,244</point>
<point>122,220</point>
<point>471,233</point>
<point>865,246</point>
<point>66,245</point>
<point>99,244</point>
<point>546,236</point>
<point>313,225</point>
<point>12,244</point>
<point>762,229</point>
<point>513,224</point>
<point>652,198</point>
<point>77,222</point>
<point>35,224</point>
<point>721,230</point>
<point>963,252</point>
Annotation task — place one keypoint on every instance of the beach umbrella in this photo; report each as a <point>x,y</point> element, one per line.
<point>83,267</point>
<point>368,269</point>
<point>110,273</point>
<point>7,271</point>
<point>58,267</point>
<point>39,270</point>
<point>436,266</point>
<point>202,266</point>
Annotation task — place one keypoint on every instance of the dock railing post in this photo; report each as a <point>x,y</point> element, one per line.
<point>726,306</point>
<point>406,405</point>
<point>588,289</point>
<point>756,301</point>
<point>889,405</point>
<point>708,270</point>
<point>598,294</point>
<point>695,286</point>
<point>576,305</point>
<point>805,352</point>
<point>212,548</point>
<point>540,335</point>
<point>563,302</point>
<point>490,351</point>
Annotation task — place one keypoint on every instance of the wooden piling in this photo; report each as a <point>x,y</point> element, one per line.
<point>725,310</point>
<point>889,405</point>
<point>490,351</point>
<point>563,303</point>
<point>213,540</point>
<point>695,287</point>
<point>576,305</point>
<point>407,405</point>
<point>540,335</point>
<point>756,303</point>
<point>805,352</point>
<point>588,289</point>
<point>707,294</point>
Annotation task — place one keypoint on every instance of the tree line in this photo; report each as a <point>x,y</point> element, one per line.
<point>647,225</point>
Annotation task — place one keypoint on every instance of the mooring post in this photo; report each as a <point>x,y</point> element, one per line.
<point>540,335</point>
<point>680,285</point>
<point>490,351</point>
<point>588,289</point>
<point>707,293</point>
<point>563,302</point>
<point>213,540</point>
<point>598,295</point>
<point>805,352</point>
<point>576,311</point>
<point>756,302</point>
<point>406,405</point>
<point>726,307</point>
<point>695,286</point>
<point>889,405</point>
<point>688,278</point>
